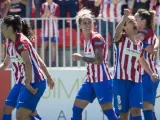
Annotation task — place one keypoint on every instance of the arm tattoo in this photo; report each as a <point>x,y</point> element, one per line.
<point>98,57</point>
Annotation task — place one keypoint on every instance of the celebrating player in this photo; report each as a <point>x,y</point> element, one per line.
<point>97,84</point>
<point>145,21</point>
<point>27,68</point>
<point>129,59</point>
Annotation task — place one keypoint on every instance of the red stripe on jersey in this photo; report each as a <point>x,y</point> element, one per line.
<point>88,73</point>
<point>98,72</point>
<point>115,11</point>
<point>16,70</point>
<point>121,54</point>
<point>93,73</point>
<point>108,10</point>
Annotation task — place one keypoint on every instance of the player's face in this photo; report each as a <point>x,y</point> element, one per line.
<point>86,25</point>
<point>5,30</point>
<point>139,21</point>
<point>131,26</point>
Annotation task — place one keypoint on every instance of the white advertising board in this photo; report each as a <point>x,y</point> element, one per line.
<point>57,104</point>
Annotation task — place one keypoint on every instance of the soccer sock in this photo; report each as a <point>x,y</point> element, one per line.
<point>77,113</point>
<point>6,117</point>
<point>31,118</point>
<point>154,116</point>
<point>148,114</point>
<point>137,118</point>
<point>110,114</point>
<point>34,117</point>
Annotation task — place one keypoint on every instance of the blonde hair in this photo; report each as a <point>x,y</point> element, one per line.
<point>81,14</point>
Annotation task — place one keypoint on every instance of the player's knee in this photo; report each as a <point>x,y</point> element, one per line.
<point>148,106</point>
<point>124,116</point>
<point>107,106</point>
<point>7,109</point>
<point>136,111</point>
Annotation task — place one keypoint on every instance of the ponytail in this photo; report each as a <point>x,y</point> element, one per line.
<point>27,30</point>
<point>153,17</point>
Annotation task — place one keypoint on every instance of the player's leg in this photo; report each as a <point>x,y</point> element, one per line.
<point>136,101</point>
<point>53,51</point>
<point>155,93</point>
<point>45,44</point>
<point>27,102</point>
<point>11,102</point>
<point>104,95</point>
<point>121,97</point>
<point>84,97</point>
<point>35,116</point>
<point>148,94</point>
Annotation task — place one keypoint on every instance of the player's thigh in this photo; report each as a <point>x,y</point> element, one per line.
<point>136,96</point>
<point>11,100</point>
<point>121,95</point>
<point>7,109</point>
<point>104,93</point>
<point>148,89</point>
<point>85,95</point>
<point>23,114</point>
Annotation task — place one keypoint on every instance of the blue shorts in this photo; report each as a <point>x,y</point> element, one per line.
<point>13,95</point>
<point>27,99</point>
<point>53,39</point>
<point>149,89</point>
<point>101,90</point>
<point>127,94</point>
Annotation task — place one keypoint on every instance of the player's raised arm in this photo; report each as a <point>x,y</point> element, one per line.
<point>119,28</point>
<point>5,64</point>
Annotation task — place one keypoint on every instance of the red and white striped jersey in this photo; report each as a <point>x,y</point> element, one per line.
<point>95,72</point>
<point>50,27</point>
<point>110,11</point>
<point>150,38</point>
<point>127,55</point>
<point>14,51</point>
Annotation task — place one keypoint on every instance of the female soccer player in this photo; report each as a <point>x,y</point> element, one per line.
<point>98,78</point>
<point>27,68</point>
<point>129,59</point>
<point>145,21</point>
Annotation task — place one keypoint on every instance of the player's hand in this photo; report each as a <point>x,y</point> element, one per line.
<point>139,36</point>
<point>115,1</point>
<point>126,13</point>
<point>50,82</point>
<point>154,77</point>
<point>30,88</point>
<point>77,56</point>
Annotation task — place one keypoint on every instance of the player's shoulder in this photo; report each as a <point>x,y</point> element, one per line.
<point>55,4</point>
<point>21,39</point>
<point>97,36</point>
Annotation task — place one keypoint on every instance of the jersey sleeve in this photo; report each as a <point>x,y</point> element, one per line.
<point>98,43</point>
<point>145,44</point>
<point>22,46</point>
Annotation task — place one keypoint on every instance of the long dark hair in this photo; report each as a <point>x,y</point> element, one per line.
<point>149,16</point>
<point>19,25</point>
